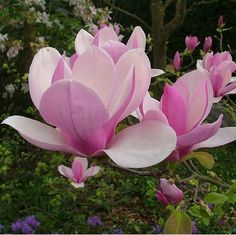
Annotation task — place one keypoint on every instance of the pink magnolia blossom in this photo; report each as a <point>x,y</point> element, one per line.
<point>219,68</point>
<point>220,23</point>
<point>79,172</point>
<point>107,39</point>
<point>184,106</point>
<point>207,44</point>
<point>177,61</point>
<point>168,193</point>
<point>85,98</point>
<point>191,42</point>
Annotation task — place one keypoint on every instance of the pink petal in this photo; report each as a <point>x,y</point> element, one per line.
<point>39,134</point>
<point>66,171</point>
<point>200,104</point>
<point>41,72</point>
<point>73,58</point>
<point>114,49</point>
<point>227,89</point>
<point>83,41</point>
<point>92,171</point>
<point>79,166</point>
<point>223,136</point>
<point>199,134</point>
<point>137,39</point>
<point>155,115</point>
<point>104,35</point>
<point>122,83</point>
<point>174,107</point>
<point>95,69</point>
<point>78,112</point>
<point>62,71</point>
<point>231,92</point>
<point>217,83</point>
<point>142,145</point>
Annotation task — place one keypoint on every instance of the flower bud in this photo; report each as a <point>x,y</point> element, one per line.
<point>168,193</point>
<point>191,42</point>
<point>177,61</point>
<point>207,44</point>
<point>220,24</point>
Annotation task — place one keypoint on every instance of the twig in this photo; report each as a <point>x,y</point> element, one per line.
<point>128,14</point>
<point>193,6</point>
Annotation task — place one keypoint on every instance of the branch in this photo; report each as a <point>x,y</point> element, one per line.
<point>178,19</point>
<point>195,5</point>
<point>128,14</point>
<point>167,3</point>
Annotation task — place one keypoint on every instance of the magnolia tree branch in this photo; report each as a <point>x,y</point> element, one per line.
<point>195,5</point>
<point>167,3</point>
<point>127,13</point>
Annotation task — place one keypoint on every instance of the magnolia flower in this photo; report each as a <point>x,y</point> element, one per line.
<point>177,61</point>
<point>220,23</point>
<point>85,99</point>
<point>184,106</point>
<point>168,193</point>
<point>207,44</point>
<point>107,39</point>
<point>191,42</point>
<point>79,172</point>
<point>219,68</point>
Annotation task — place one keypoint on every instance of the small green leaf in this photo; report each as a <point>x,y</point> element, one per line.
<point>231,197</point>
<point>195,211</point>
<point>215,198</point>
<point>178,223</point>
<point>205,159</point>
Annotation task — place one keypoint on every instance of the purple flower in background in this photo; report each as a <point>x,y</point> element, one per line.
<point>194,228</point>
<point>94,220</point>
<point>118,231</point>
<point>26,229</point>
<point>1,228</point>
<point>156,229</point>
<point>32,221</point>
<point>210,205</point>
<point>16,227</point>
<point>177,61</point>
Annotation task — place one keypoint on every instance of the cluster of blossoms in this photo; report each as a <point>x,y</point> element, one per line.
<point>85,96</point>
<point>28,225</point>
<point>91,15</point>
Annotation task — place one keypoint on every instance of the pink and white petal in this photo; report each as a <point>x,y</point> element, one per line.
<point>92,171</point>
<point>73,58</point>
<point>174,108</point>
<point>149,103</point>
<point>233,79</point>
<point>223,136</point>
<point>66,171</point>
<point>78,169</point>
<point>142,145</point>
<point>114,49</point>
<point>39,134</point>
<point>227,89</point>
<point>155,115</point>
<point>41,72</point>
<point>231,92</point>
<point>103,35</point>
<point>78,185</point>
<point>95,69</point>
<point>62,70</point>
<point>156,72</point>
<point>217,99</point>
<point>199,65</point>
<point>137,39</point>
<point>199,105</point>
<point>83,42</point>
<point>199,134</point>
<point>83,162</point>
<point>122,83</point>
<point>78,112</point>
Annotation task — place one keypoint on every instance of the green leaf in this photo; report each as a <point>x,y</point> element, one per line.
<point>231,197</point>
<point>178,223</point>
<point>215,198</point>
<point>205,159</point>
<point>195,211</point>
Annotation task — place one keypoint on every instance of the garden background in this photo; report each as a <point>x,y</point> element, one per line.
<point>115,201</point>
